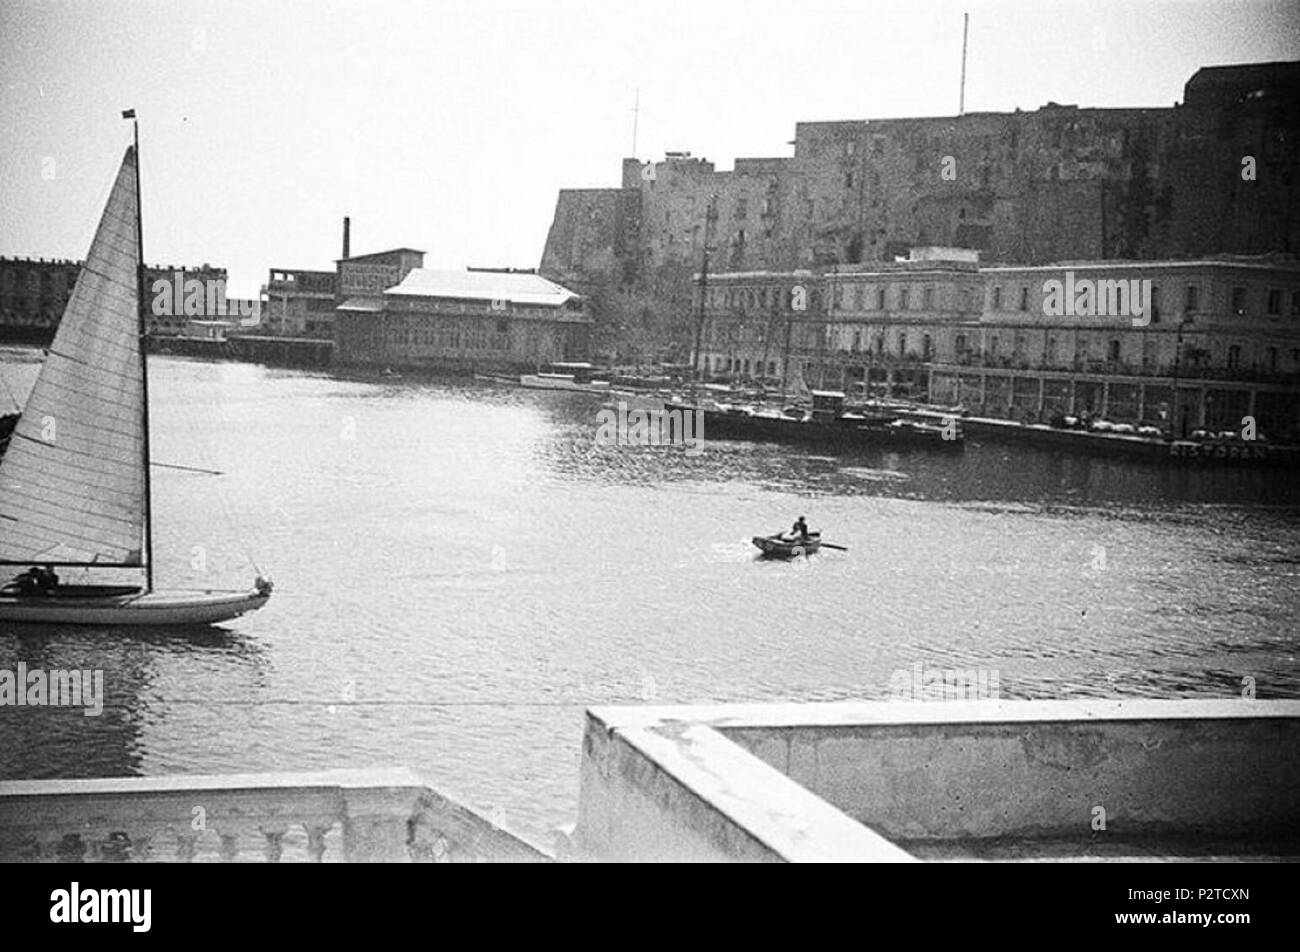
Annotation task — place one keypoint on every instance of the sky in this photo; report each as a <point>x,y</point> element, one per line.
<point>450,126</point>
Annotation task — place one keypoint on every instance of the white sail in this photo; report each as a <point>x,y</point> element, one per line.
<point>72,482</point>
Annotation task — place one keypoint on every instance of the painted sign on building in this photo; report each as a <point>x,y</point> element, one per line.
<point>369,278</point>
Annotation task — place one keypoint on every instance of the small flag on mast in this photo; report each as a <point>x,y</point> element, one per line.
<point>128,113</point>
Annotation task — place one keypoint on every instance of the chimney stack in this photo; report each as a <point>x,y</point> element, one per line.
<point>347,236</point>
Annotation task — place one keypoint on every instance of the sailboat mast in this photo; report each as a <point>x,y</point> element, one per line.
<point>144,363</point>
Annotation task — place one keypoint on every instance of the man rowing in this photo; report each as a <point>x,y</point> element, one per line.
<point>800,530</point>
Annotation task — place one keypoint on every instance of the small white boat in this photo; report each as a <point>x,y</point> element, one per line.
<point>74,480</point>
<point>566,376</point>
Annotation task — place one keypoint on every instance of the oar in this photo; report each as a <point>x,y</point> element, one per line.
<point>831,545</point>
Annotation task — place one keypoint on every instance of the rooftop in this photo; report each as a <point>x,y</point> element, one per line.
<point>516,288</point>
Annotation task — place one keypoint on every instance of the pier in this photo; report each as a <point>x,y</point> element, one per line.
<point>274,351</point>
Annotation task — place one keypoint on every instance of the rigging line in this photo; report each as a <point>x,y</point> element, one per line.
<point>314,702</point>
<point>222,500</point>
<point>12,399</point>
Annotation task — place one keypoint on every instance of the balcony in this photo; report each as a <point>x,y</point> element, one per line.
<point>941,780</point>
<point>1187,373</point>
<point>381,815</point>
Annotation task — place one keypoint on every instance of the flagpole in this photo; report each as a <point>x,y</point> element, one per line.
<point>144,366</point>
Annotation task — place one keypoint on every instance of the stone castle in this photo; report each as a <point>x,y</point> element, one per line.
<point>1214,174</point>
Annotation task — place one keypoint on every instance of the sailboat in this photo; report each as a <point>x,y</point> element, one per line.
<point>74,480</point>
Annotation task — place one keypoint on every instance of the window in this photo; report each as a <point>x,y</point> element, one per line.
<point>902,299</point>
<point>1154,305</point>
<point>1193,298</point>
<point>927,347</point>
<point>997,299</point>
<point>1270,359</point>
<point>742,208</point>
<point>1238,301</point>
<point>959,344</point>
<point>857,299</point>
<point>880,298</point>
<point>1234,357</point>
<point>902,344</point>
<point>927,297</point>
<point>1274,301</point>
<point>1024,299</point>
<point>1112,353</point>
<point>1295,303</point>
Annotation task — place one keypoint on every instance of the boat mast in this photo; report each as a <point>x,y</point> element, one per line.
<point>710,215</point>
<point>144,364</point>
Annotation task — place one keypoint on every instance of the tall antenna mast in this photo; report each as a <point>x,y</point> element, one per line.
<point>636,114</point>
<point>965,31</point>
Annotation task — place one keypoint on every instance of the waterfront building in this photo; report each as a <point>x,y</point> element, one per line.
<point>300,303</point>
<point>866,329</point>
<point>372,274</point>
<point>1210,175</point>
<point>34,293</point>
<point>1223,333</point>
<point>477,319</point>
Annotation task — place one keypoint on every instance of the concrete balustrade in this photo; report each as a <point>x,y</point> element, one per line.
<point>382,815</point>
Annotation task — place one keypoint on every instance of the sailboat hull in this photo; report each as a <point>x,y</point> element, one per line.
<point>155,608</point>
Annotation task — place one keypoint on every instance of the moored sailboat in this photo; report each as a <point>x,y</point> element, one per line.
<point>74,480</point>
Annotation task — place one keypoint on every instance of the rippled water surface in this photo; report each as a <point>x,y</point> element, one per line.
<point>460,570</point>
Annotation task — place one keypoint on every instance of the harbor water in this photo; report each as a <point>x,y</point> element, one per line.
<point>462,568</point>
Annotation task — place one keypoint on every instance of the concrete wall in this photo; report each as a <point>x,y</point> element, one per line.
<point>1226,773</point>
<point>672,792</point>
<point>677,783</point>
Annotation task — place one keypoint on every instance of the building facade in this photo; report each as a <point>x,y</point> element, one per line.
<point>1217,339</point>
<point>463,321</point>
<point>300,303</point>
<point>34,293</point>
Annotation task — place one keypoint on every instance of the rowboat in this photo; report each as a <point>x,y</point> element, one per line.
<point>779,546</point>
<point>74,479</point>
